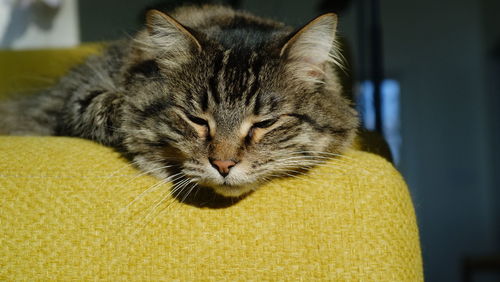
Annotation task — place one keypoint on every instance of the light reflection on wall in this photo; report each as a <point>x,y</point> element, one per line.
<point>390,104</point>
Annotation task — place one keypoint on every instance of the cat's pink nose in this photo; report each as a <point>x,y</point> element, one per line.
<point>223,166</point>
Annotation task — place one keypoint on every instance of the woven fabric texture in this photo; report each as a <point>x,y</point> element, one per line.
<point>75,210</point>
<point>32,70</point>
<point>72,209</point>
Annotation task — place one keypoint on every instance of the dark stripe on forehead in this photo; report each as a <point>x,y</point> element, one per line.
<point>161,142</point>
<point>189,95</point>
<point>236,73</point>
<point>269,104</point>
<point>212,82</point>
<point>256,67</point>
<point>273,104</point>
<point>153,108</point>
<point>147,68</point>
<point>318,127</point>
<point>238,59</point>
<point>204,101</point>
<point>257,105</point>
<point>173,126</point>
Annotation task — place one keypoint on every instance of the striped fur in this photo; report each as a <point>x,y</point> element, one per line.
<point>206,83</point>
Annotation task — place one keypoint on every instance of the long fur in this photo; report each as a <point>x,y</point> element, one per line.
<point>204,84</point>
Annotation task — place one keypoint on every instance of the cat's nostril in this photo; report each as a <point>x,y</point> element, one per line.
<point>223,166</point>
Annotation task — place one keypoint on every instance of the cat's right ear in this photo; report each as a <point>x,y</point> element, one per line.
<point>169,34</point>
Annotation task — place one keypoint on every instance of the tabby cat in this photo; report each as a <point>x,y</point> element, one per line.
<point>226,99</point>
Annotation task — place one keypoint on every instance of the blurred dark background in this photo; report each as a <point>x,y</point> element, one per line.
<point>426,74</point>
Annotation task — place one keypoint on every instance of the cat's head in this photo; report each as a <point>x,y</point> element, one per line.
<point>231,107</point>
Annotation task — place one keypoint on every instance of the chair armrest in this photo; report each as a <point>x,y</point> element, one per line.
<point>73,209</point>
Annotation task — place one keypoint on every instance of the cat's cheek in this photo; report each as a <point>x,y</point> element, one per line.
<point>151,167</point>
<point>210,177</point>
<point>256,134</point>
<point>239,176</point>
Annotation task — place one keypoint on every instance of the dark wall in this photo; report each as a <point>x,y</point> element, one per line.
<point>436,50</point>
<point>491,53</point>
<point>110,19</point>
<point>114,19</point>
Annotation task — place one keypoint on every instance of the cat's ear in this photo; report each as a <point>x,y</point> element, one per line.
<point>311,47</point>
<point>168,33</point>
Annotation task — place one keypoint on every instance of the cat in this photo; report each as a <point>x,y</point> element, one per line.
<point>221,97</point>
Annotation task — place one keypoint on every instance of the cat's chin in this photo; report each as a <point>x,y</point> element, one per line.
<point>233,191</point>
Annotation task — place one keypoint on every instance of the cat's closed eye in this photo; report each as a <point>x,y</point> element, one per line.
<point>265,123</point>
<point>197,120</point>
<point>201,125</point>
<point>260,126</point>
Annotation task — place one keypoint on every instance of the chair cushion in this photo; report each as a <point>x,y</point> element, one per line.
<point>73,209</point>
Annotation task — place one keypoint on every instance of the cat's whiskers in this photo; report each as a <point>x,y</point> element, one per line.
<point>178,186</point>
<point>290,165</point>
<point>138,175</point>
<point>308,158</point>
<point>147,172</point>
<point>128,165</point>
<point>338,158</point>
<point>291,169</point>
<point>150,189</point>
<point>309,164</point>
<point>299,161</point>
<point>173,193</point>
<point>289,173</point>
<point>294,174</point>
<point>151,211</point>
<point>319,161</point>
<point>106,179</point>
<point>189,192</point>
<point>325,153</point>
<point>316,153</point>
<point>176,190</point>
<point>324,158</point>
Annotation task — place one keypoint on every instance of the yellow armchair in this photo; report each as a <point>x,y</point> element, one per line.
<point>75,210</point>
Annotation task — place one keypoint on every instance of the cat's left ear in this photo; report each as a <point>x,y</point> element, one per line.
<point>168,33</point>
<point>311,47</point>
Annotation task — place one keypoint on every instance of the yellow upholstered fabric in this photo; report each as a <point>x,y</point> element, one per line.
<point>64,216</point>
<point>32,70</point>
<point>75,210</point>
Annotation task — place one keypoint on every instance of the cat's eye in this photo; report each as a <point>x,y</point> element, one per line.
<point>255,135</point>
<point>265,123</point>
<point>198,120</point>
